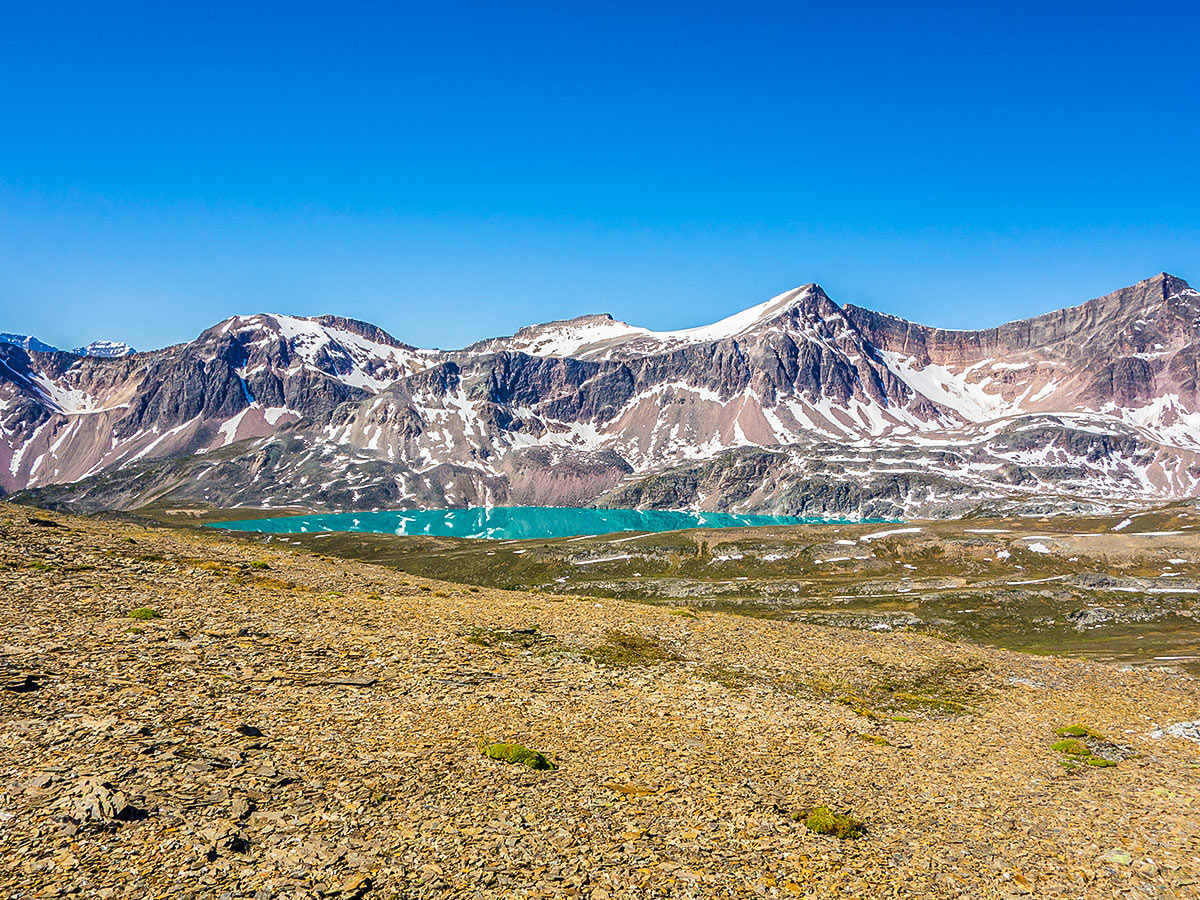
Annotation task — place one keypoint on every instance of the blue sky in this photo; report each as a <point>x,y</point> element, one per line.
<point>450,171</point>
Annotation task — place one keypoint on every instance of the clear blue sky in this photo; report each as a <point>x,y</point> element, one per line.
<point>450,171</point>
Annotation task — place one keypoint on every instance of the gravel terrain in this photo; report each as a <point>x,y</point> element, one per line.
<point>274,723</point>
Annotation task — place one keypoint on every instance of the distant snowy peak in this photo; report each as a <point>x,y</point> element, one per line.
<point>752,319</point>
<point>603,337</point>
<point>582,337</point>
<point>105,349</point>
<point>26,342</point>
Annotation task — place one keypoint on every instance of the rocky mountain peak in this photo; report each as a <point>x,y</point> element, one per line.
<point>1171,283</point>
<point>362,329</point>
<point>1157,315</point>
<point>293,327</point>
<point>604,337</point>
<point>104,349</point>
<point>1178,293</point>
<point>27,342</point>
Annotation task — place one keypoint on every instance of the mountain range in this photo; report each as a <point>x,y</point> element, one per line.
<point>95,348</point>
<point>796,406</point>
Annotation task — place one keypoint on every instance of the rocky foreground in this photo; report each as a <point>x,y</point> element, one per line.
<point>184,714</point>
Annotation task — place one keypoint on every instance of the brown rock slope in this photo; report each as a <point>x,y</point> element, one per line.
<point>294,727</point>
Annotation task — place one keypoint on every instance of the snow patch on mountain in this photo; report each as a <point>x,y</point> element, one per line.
<point>951,389</point>
<point>355,359</point>
<point>27,342</point>
<point>105,349</point>
<point>740,323</point>
<point>572,337</point>
<point>1164,419</point>
<point>64,400</point>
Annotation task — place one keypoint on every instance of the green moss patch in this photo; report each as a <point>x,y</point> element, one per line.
<point>823,820</point>
<point>275,584</point>
<point>144,613</point>
<point>941,690</point>
<point>856,703</point>
<point>1078,731</point>
<point>517,755</point>
<point>874,739</point>
<point>621,648</point>
<point>1072,747</point>
<point>1082,748</point>
<point>940,705</point>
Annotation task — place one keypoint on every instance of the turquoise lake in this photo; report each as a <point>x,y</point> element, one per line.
<point>513,522</point>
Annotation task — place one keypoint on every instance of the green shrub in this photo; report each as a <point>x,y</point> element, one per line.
<point>823,820</point>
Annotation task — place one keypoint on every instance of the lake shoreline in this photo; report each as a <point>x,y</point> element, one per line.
<point>505,523</point>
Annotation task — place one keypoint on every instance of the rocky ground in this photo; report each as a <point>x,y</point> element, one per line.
<point>1119,588</point>
<point>278,724</point>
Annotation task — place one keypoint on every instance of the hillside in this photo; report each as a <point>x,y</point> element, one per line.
<point>796,406</point>
<point>291,726</point>
<point>1122,589</point>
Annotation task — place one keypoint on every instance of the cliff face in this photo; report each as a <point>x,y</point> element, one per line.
<point>1137,344</point>
<point>795,405</point>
